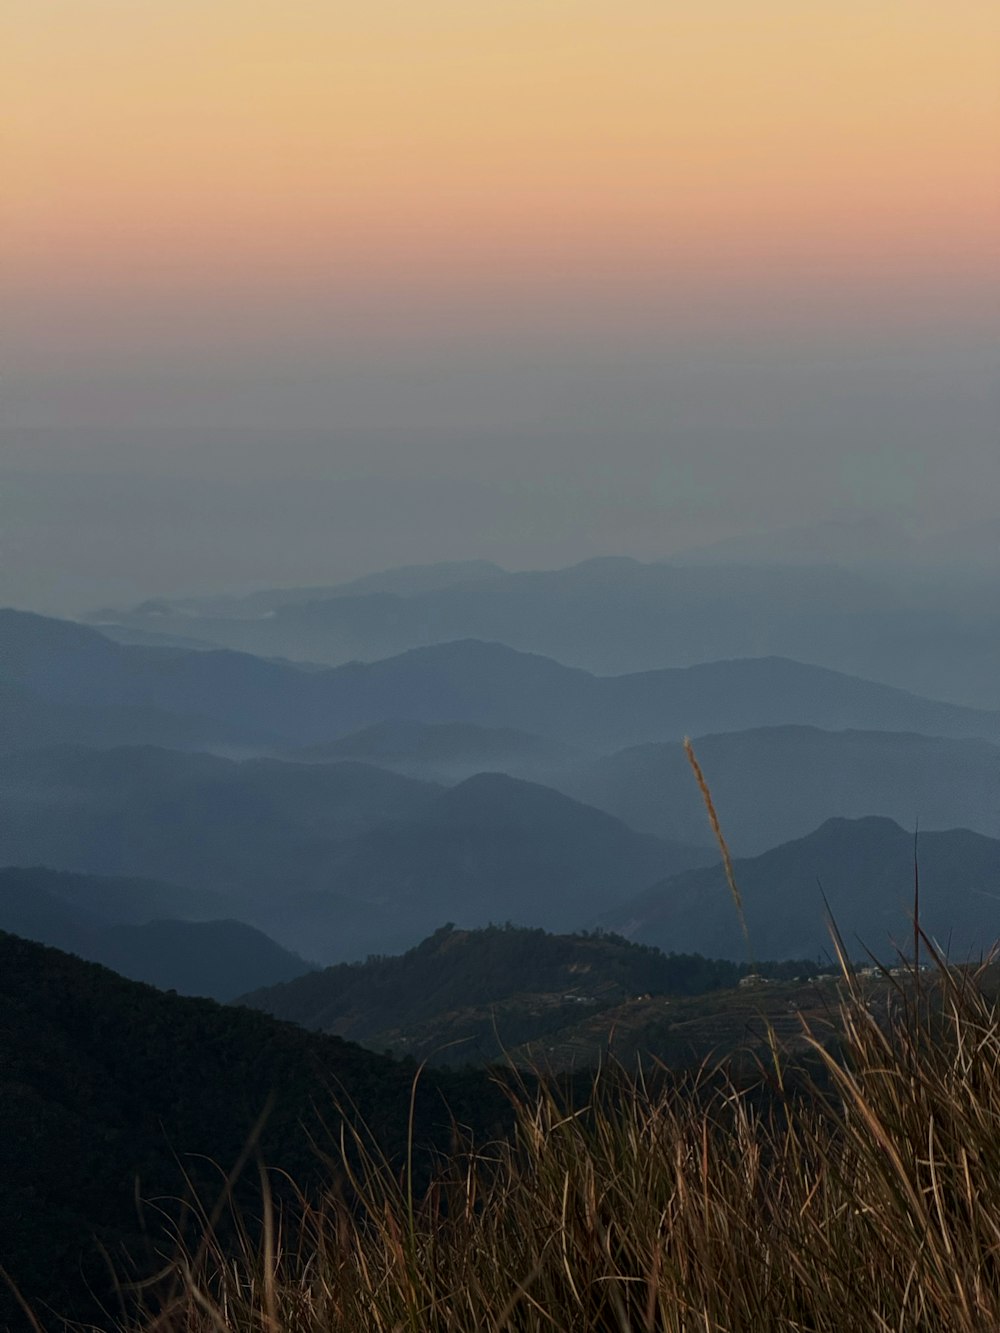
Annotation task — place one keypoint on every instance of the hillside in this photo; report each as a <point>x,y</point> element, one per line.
<point>479,995</point>
<point>864,867</point>
<point>110,1089</point>
<point>777,783</point>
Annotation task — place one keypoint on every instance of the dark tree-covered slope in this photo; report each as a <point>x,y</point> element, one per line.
<point>109,1088</point>
<point>477,995</point>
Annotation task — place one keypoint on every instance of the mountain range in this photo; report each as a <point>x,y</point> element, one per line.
<point>772,784</point>
<point>447,752</point>
<point>862,870</point>
<point>934,634</point>
<point>352,809</point>
<point>492,848</point>
<point>334,861</point>
<point>132,926</point>
<point>238,829</point>
<point>262,704</point>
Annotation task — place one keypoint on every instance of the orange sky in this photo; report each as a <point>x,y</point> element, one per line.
<point>272,141</point>
<point>629,272</point>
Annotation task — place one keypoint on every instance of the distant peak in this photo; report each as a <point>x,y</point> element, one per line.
<point>609,562</point>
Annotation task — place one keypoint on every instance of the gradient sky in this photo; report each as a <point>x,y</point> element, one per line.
<point>630,273</point>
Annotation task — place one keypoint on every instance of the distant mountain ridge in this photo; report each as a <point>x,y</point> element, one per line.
<point>403,581</point>
<point>334,861</point>
<point>242,830</point>
<point>486,684</point>
<point>863,868</point>
<point>119,923</point>
<point>772,784</point>
<point>446,751</point>
<point>934,633</point>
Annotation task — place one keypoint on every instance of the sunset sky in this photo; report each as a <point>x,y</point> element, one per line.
<point>464,227</point>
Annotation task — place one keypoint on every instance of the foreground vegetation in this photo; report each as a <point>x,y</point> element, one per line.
<point>112,1092</point>
<point>855,1189</point>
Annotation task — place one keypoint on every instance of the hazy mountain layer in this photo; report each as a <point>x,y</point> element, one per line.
<point>777,783</point>
<point>865,869</point>
<point>481,683</point>
<point>446,751</point>
<point>115,922</point>
<point>29,719</point>
<point>240,829</point>
<point>492,849</point>
<point>334,861</point>
<point>939,636</point>
<point>404,581</point>
<point>114,898</point>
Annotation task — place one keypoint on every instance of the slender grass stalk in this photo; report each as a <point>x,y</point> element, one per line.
<point>720,838</point>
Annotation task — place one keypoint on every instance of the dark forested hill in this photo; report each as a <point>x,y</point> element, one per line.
<point>465,995</point>
<point>110,1089</point>
<point>865,869</point>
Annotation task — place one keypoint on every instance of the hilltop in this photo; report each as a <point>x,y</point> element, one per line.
<point>511,993</point>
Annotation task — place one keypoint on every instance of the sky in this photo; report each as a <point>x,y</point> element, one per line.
<point>296,289</point>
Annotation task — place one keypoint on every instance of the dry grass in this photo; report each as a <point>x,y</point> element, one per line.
<point>867,1199</point>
